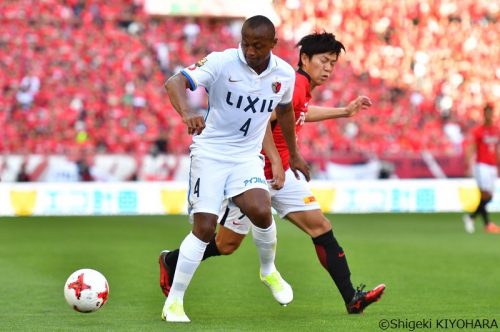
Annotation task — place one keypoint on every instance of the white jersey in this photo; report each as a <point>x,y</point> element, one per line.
<point>240,102</point>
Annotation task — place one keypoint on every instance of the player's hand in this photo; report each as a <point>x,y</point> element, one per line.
<point>358,104</point>
<point>194,122</point>
<point>278,180</point>
<point>298,164</point>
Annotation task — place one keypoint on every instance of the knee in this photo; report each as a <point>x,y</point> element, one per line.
<point>320,227</point>
<point>486,196</point>
<point>204,228</point>
<point>263,212</point>
<point>260,215</point>
<point>324,226</point>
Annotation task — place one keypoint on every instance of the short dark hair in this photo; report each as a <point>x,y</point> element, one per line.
<point>488,107</point>
<point>317,43</point>
<point>258,21</point>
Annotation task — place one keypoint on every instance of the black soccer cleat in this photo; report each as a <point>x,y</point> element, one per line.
<point>362,299</point>
<point>166,273</point>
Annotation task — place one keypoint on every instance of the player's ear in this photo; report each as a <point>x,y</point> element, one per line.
<point>304,58</point>
<point>275,41</point>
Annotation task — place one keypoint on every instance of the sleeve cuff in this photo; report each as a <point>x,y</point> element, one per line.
<point>192,84</point>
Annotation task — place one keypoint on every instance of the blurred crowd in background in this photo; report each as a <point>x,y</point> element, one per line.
<point>88,75</point>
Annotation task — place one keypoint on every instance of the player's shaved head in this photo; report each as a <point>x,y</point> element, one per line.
<point>261,24</point>
<point>258,38</point>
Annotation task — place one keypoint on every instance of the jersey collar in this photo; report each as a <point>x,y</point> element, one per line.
<point>272,61</point>
<point>302,72</point>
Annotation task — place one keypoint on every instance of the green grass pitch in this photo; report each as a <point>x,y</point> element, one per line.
<point>432,269</point>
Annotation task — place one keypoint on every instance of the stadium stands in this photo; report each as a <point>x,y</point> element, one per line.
<point>90,74</point>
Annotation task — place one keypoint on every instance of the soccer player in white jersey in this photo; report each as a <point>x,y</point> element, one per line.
<point>244,86</point>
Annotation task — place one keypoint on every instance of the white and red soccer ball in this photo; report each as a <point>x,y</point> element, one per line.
<point>86,290</point>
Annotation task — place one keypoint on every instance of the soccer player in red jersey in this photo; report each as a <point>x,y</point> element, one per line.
<point>319,53</point>
<point>482,158</point>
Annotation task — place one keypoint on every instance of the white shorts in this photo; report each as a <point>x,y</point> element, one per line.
<point>211,181</point>
<point>485,176</point>
<point>294,196</point>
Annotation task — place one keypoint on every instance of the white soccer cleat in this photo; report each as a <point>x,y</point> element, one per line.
<point>468,224</point>
<point>174,312</point>
<point>281,290</point>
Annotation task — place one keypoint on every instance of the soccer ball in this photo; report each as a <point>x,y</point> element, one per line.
<point>86,290</point>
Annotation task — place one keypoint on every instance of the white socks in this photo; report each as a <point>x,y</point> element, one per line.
<point>190,254</point>
<point>265,241</point>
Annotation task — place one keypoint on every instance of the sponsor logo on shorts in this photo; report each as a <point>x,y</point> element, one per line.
<point>309,199</point>
<point>237,223</point>
<point>255,180</point>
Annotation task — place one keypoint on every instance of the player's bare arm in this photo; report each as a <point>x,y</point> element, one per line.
<point>176,88</point>
<point>286,120</point>
<point>321,113</point>
<point>272,154</point>
<point>470,152</point>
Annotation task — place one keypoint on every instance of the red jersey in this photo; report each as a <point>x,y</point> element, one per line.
<point>486,139</point>
<point>301,97</point>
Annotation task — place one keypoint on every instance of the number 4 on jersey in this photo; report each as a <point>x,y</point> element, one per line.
<point>196,190</point>
<point>245,127</point>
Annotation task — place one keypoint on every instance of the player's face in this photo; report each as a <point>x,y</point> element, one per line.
<point>488,115</point>
<point>256,45</point>
<point>319,67</point>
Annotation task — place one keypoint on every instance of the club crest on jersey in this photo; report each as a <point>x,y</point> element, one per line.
<point>201,62</point>
<point>276,87</point>
<point>198,64</point>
